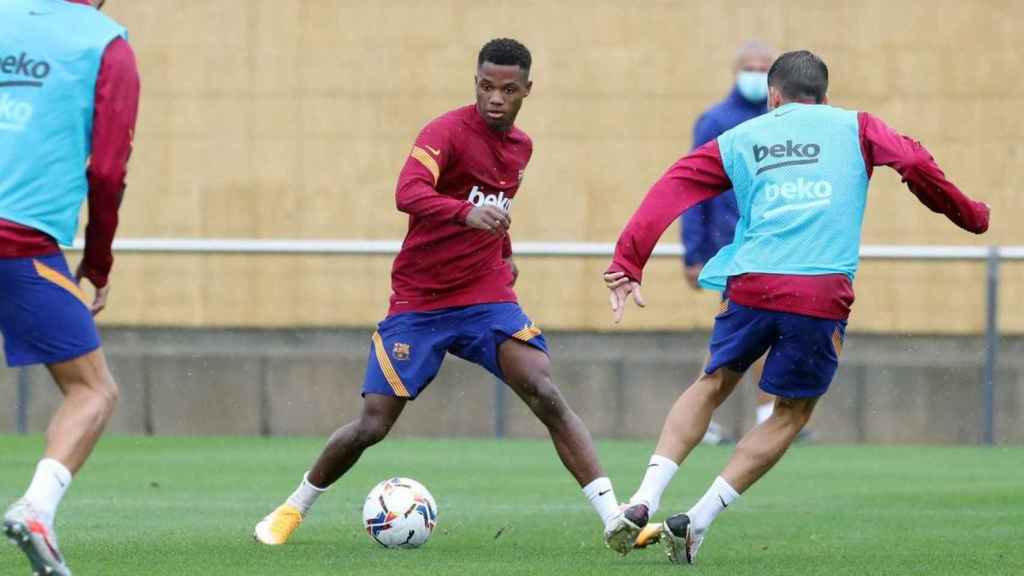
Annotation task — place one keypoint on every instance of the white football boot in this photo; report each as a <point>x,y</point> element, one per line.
<point>680,539</point>
<point>36,538</point>
<point>621,534</point>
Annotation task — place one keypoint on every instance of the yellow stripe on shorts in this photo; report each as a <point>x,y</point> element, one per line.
<point>837,342</point>
<point>61,280</point>
<point>528,333</point>
<point>385,366</point>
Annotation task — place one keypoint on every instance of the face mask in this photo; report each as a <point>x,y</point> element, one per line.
<point>753,86</point>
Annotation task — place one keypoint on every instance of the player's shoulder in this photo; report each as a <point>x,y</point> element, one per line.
<point>91,15</point>
<point>445,120</point>
<point>448,123</point>
<point>519,136</point>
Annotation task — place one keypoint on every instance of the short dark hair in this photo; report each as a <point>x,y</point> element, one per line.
<point>505,52</point>
<point>799,75</point>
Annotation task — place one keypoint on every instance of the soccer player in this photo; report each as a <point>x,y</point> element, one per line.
<point>452,292</point>
<point>69,90</point>
<point>800,174</point>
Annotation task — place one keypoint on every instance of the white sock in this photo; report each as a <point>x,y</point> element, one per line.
<point>305,495</point>
<point>48,486</point>
<point>660,471</point>
<point>602,498</point>
<point>718,497</point>
<point>764,411</point>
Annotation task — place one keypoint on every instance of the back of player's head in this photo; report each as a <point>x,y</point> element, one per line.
<point>799,75</point>
<point>505,52</point>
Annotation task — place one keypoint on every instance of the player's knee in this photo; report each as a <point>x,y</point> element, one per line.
<point>546,400</point>
<point>715,385</point>
<point>110,393</point>
<point>794,413</point>
<point>104,391</point>
<point>372,429</point>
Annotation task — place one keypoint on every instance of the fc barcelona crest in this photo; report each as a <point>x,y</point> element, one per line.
<point>400,351</point>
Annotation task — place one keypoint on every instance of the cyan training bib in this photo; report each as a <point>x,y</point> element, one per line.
<point>50,55</point>
<point>801,188</point>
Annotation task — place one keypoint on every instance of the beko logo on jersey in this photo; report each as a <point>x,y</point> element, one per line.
<point>800,189</point>
<point>797,196</point>
<point>35,71</point>
<point>792,154</point>
<point>478,197</point>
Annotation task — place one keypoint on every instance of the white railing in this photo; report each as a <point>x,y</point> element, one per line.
<point>533,249</point>
<point>993,255</point>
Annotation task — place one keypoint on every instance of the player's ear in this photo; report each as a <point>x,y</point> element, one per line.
<point>825,99</point>
<point>529,86</point>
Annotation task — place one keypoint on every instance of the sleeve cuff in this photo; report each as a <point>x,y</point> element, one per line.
<point>631,272</point>
<point>464,211</point>
<point>96,278</point>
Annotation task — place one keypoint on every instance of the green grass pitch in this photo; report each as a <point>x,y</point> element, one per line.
<point>163,506</point>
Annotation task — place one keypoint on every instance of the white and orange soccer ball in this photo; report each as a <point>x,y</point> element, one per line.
<point>399,513</point>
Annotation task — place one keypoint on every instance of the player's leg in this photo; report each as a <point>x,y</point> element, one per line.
<point>757,452</point>
<point>347,443</point>
<point>502,339</point>
<point>798,371</point>
<point>417,348</point>
<point>65,339</point>
<point>684,428</point>
<point>342,451</point>
<point>527,371</point>
<point>763,446</point>
<point>90,397</point>
<point>691,413</point>
<point>740,336</point>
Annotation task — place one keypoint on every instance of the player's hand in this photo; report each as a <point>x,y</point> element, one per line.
<point>515,269</point>
<point>692,272</point>
<point>489,218</point>
<point>621,287</point>
<point>99,301</point>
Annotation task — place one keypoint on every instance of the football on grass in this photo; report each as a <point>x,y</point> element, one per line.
<point>399,513</point>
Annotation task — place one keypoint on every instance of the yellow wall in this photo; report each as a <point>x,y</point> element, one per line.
<point>291,118</point>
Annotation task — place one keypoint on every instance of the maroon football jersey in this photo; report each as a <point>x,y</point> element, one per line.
<point>458,162</point>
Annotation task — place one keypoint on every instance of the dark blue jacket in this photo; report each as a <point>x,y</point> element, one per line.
<point>710,225</point>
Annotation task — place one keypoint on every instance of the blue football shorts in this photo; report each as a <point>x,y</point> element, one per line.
<point>44,315</point>
<point>407,349</point>
<point>803,351</point>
